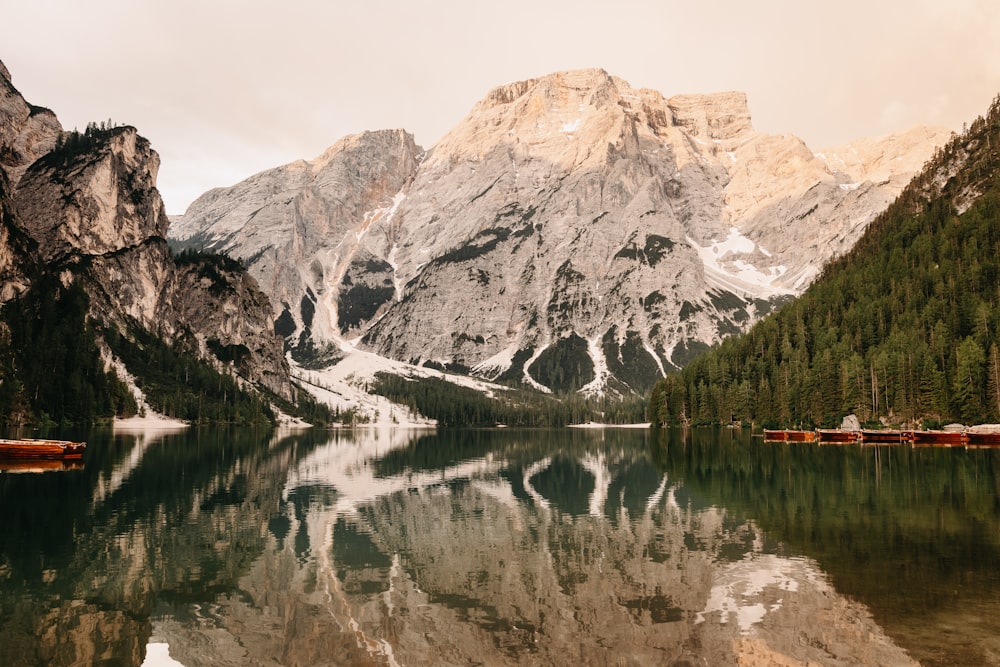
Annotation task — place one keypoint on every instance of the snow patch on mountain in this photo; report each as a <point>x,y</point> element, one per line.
<point>346,384</point>
<point>497,364</point>
<point>597,386</point>
<point>570,127</point>
<point>726,269</point>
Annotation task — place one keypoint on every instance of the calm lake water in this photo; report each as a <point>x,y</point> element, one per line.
<point>502,547</point>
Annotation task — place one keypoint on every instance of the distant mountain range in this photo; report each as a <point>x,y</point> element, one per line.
<point>572,233</point>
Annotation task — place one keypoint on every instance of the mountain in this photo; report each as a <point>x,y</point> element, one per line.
<point>84,257</point>
<point>903,329</point>
<point>571,233</point>
<point>301,228</point>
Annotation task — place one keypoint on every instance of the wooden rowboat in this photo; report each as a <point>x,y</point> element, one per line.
<point>944,438</point>
<point>41,449</point>
<point>777,435</point>
<point>886,436</point>
<point>983,438</point>
<point>838,436</point>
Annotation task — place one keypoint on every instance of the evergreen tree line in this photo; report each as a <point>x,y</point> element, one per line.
<point>50,367</point>
<point>903,329</point>
<point>178,384</point>
<point>52,372</point>
<point>210,261</point>
<point>70,144</point>
<point>314,412</point>
<point>453,405</point>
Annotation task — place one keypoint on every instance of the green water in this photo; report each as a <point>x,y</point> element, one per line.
<point>499,547</point>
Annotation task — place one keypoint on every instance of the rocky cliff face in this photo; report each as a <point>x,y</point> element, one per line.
<point>571,233</point>
<point>301,229</point>
<point>86,206</point>
<point>26,132</point>
<point>16,247</point>
<point>94,210</point>
<point>92,199</point>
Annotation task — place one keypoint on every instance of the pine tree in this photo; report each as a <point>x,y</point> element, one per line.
<point>993,383</point>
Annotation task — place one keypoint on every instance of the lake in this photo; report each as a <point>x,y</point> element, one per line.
<point>500,547</point>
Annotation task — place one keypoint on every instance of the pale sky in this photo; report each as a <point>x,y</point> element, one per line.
<point>227,88</point>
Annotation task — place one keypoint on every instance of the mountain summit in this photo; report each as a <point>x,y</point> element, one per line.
<point>571,233</point>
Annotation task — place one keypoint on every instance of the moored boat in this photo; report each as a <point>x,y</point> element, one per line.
<point>837,435</point>
<point>886,436</point>
<point>983,438</point>
<point>781,435</point>
<point>41,449</point>
<point>940,438</point>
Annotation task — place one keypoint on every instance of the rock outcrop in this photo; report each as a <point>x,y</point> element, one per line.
<point>572,232</point>
<point>85,206</point>
<point>301,229</point>
<point>93,199</point>
<point>16,247</point>
<point>26,132</point>
<point>94,211</point>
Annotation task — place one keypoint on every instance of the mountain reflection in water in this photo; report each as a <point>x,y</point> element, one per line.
<point>499,547</point>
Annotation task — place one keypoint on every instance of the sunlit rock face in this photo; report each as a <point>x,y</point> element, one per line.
<point>96,212</point>
<point>304,231</point>
<point>569,218</point>
<point>26,132</point>
<point>99,200</point>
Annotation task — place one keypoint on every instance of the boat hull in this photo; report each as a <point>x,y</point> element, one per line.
<point>789,436</point>
<point>990,439</point>
<point>888,437</point>
<point>41,449</point>
<point>940,438</point>
<point>838,436</point>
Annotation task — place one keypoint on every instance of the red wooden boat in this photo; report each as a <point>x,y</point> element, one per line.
<point>983,438</point>
<point>886,436</point>
<point>941,438</point>
<point>41,449</point>
<point>838,436</point>
<point>777,435</point>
